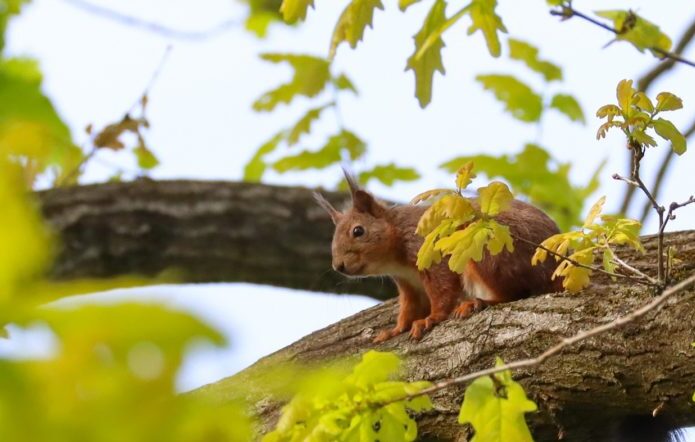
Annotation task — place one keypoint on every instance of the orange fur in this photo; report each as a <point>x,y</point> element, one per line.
<point>372,239</point>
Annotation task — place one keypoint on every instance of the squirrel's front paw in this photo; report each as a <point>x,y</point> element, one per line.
<point>467,308</point>
<point>421,326</point>
<point>385,335</point>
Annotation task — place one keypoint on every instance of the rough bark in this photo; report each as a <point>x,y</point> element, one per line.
<point>581,392</point>
<point>209,231</point>
<point>217,231</point>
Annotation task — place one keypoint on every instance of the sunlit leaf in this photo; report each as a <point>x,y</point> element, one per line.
<point>465,175</point>
<point>494,198</point>
<point>146,159</point>
<point>595,211</point>
<point>254,169</point>
<point>520,100</point>
<point>343,83</point>
<point>450,206</point>
<point>523,51</point>
<point>356,16</point>
<point>666,101</point>
<point>496,409</point>
<point>424,64</point>
<point>405,4</point>
<point>303,126</point>
<point>668,131</point>
<point>569,106</point>
<point>311,74</point>
<point>465,245</point>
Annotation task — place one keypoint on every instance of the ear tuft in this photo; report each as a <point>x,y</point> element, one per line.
<point>364,202</point>
<point>352,182</point>
<point>328,207</point>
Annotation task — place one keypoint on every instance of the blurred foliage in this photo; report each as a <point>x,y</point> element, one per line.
<point>642,33</point>
<point>536,175</point>
<point>495,406</point>
<point>365,404</point>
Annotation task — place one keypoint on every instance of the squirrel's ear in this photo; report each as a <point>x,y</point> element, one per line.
<point>364,202</point>
<point>352,182</point>
<point>332,211</point>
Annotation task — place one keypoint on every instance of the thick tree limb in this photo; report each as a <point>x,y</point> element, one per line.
<point>210,231</point>
<point>632,370</point>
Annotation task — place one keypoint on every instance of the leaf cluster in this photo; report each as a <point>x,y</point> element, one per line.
<point>365,405</point>
<point>592,242</point>
<point>462,228</point>
<point>635,115</point>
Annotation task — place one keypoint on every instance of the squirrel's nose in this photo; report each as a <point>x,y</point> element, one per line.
<point>339,267</point>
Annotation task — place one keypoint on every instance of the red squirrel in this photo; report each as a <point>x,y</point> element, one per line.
<point>372,239</point>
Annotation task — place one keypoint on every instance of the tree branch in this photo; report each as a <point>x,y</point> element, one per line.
<point>154,27</point>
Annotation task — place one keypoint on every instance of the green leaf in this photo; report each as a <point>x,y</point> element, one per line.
<point>465,245</point>
<point>255,168</point>
<point>389,174</point>
<point>8,9</point>
<point>523,103</point>
<point>641,33</point>
<point>496,409</point>
<point>667,101</point>
<point>494,198</point>
<point>303,126</point>
<point>569,106</point>
<point>293,10</point>
<point>343,83</point>
<point>30,128</point>
<point>146,159</point>
<point>485,19</point>
<point>520,50</point>
<point>352,22</point>
<point>405,4</point>
<point>374,367</point>
<point>425,63</point>
<point>666,130</point>
<point>311,74</point>
<point>329,154</point>
<point>258,23</point>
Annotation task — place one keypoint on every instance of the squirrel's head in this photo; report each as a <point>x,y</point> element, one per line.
<point>363,239</point>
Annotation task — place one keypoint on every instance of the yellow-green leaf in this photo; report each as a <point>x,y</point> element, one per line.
<point>494,198</point>
<point>643,102</point>
<point>329,154</point>
<point>574,277</point>
<point>434,193</point>
<point>624,93</point>
<point>424,64</point>
<point>311,74</point>
<point>146,159</point>
<point>668,131</point>
<point>523,103</point>
<point>293,10</point>
<point>523,51</point>
<point>450,206</point>
<point>465,245</point>
<point>303,126</point>
<point>496,409</point>
<point>594,211</point>
<point>464,175</point>
<point>255,168</point>
<point>388,174</point>
<point>667,101</point>
<point>358,14</point>
<point>405,4</point>
<point>569,106</point>
<point>641,33</point>
<point>501,238</point>
<point>485,19</point>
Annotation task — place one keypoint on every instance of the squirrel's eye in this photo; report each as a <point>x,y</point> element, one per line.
<point>357,231</point>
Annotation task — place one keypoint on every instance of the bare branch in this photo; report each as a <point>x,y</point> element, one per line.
<point>154,27</point>
<point>567,12</point>
<point>657,71</point>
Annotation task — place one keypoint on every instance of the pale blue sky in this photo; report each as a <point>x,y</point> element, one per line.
<point>203,127</point>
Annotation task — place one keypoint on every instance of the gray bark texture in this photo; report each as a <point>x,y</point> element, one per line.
<point>276,235</point>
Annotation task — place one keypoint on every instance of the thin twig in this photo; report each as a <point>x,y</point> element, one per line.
<point>557,348</point>
<point>661,173</point>
<point>567,12</point>
<point>634,270</point>
<point>589,267</point>
<point>661,68</point>
<point>154,27</point>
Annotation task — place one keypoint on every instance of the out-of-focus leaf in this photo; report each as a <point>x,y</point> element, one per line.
<point>311,74</point>
<point>569,106</point>
<point>425,63</point>
<point>666,101</point>
<point>293,10</point>
<point>31,131</point>
<point>303,126</point>
<point>641,33</point>
<point>358,14</point>
<point>8,8</point>
<point>496,409</point>
<point>256,166</point>
<point>343,83</point>
<point>329,154</point>
<point>146,159</point>
<point>523,51</point>
<point>405,4</point>
<point>520,100</point>
<point>594,212</point>
<point>486,20</point>
<point>388,174</point>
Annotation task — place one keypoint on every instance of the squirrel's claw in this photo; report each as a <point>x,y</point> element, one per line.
<point>385,335</point>
<point>467,308</point>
